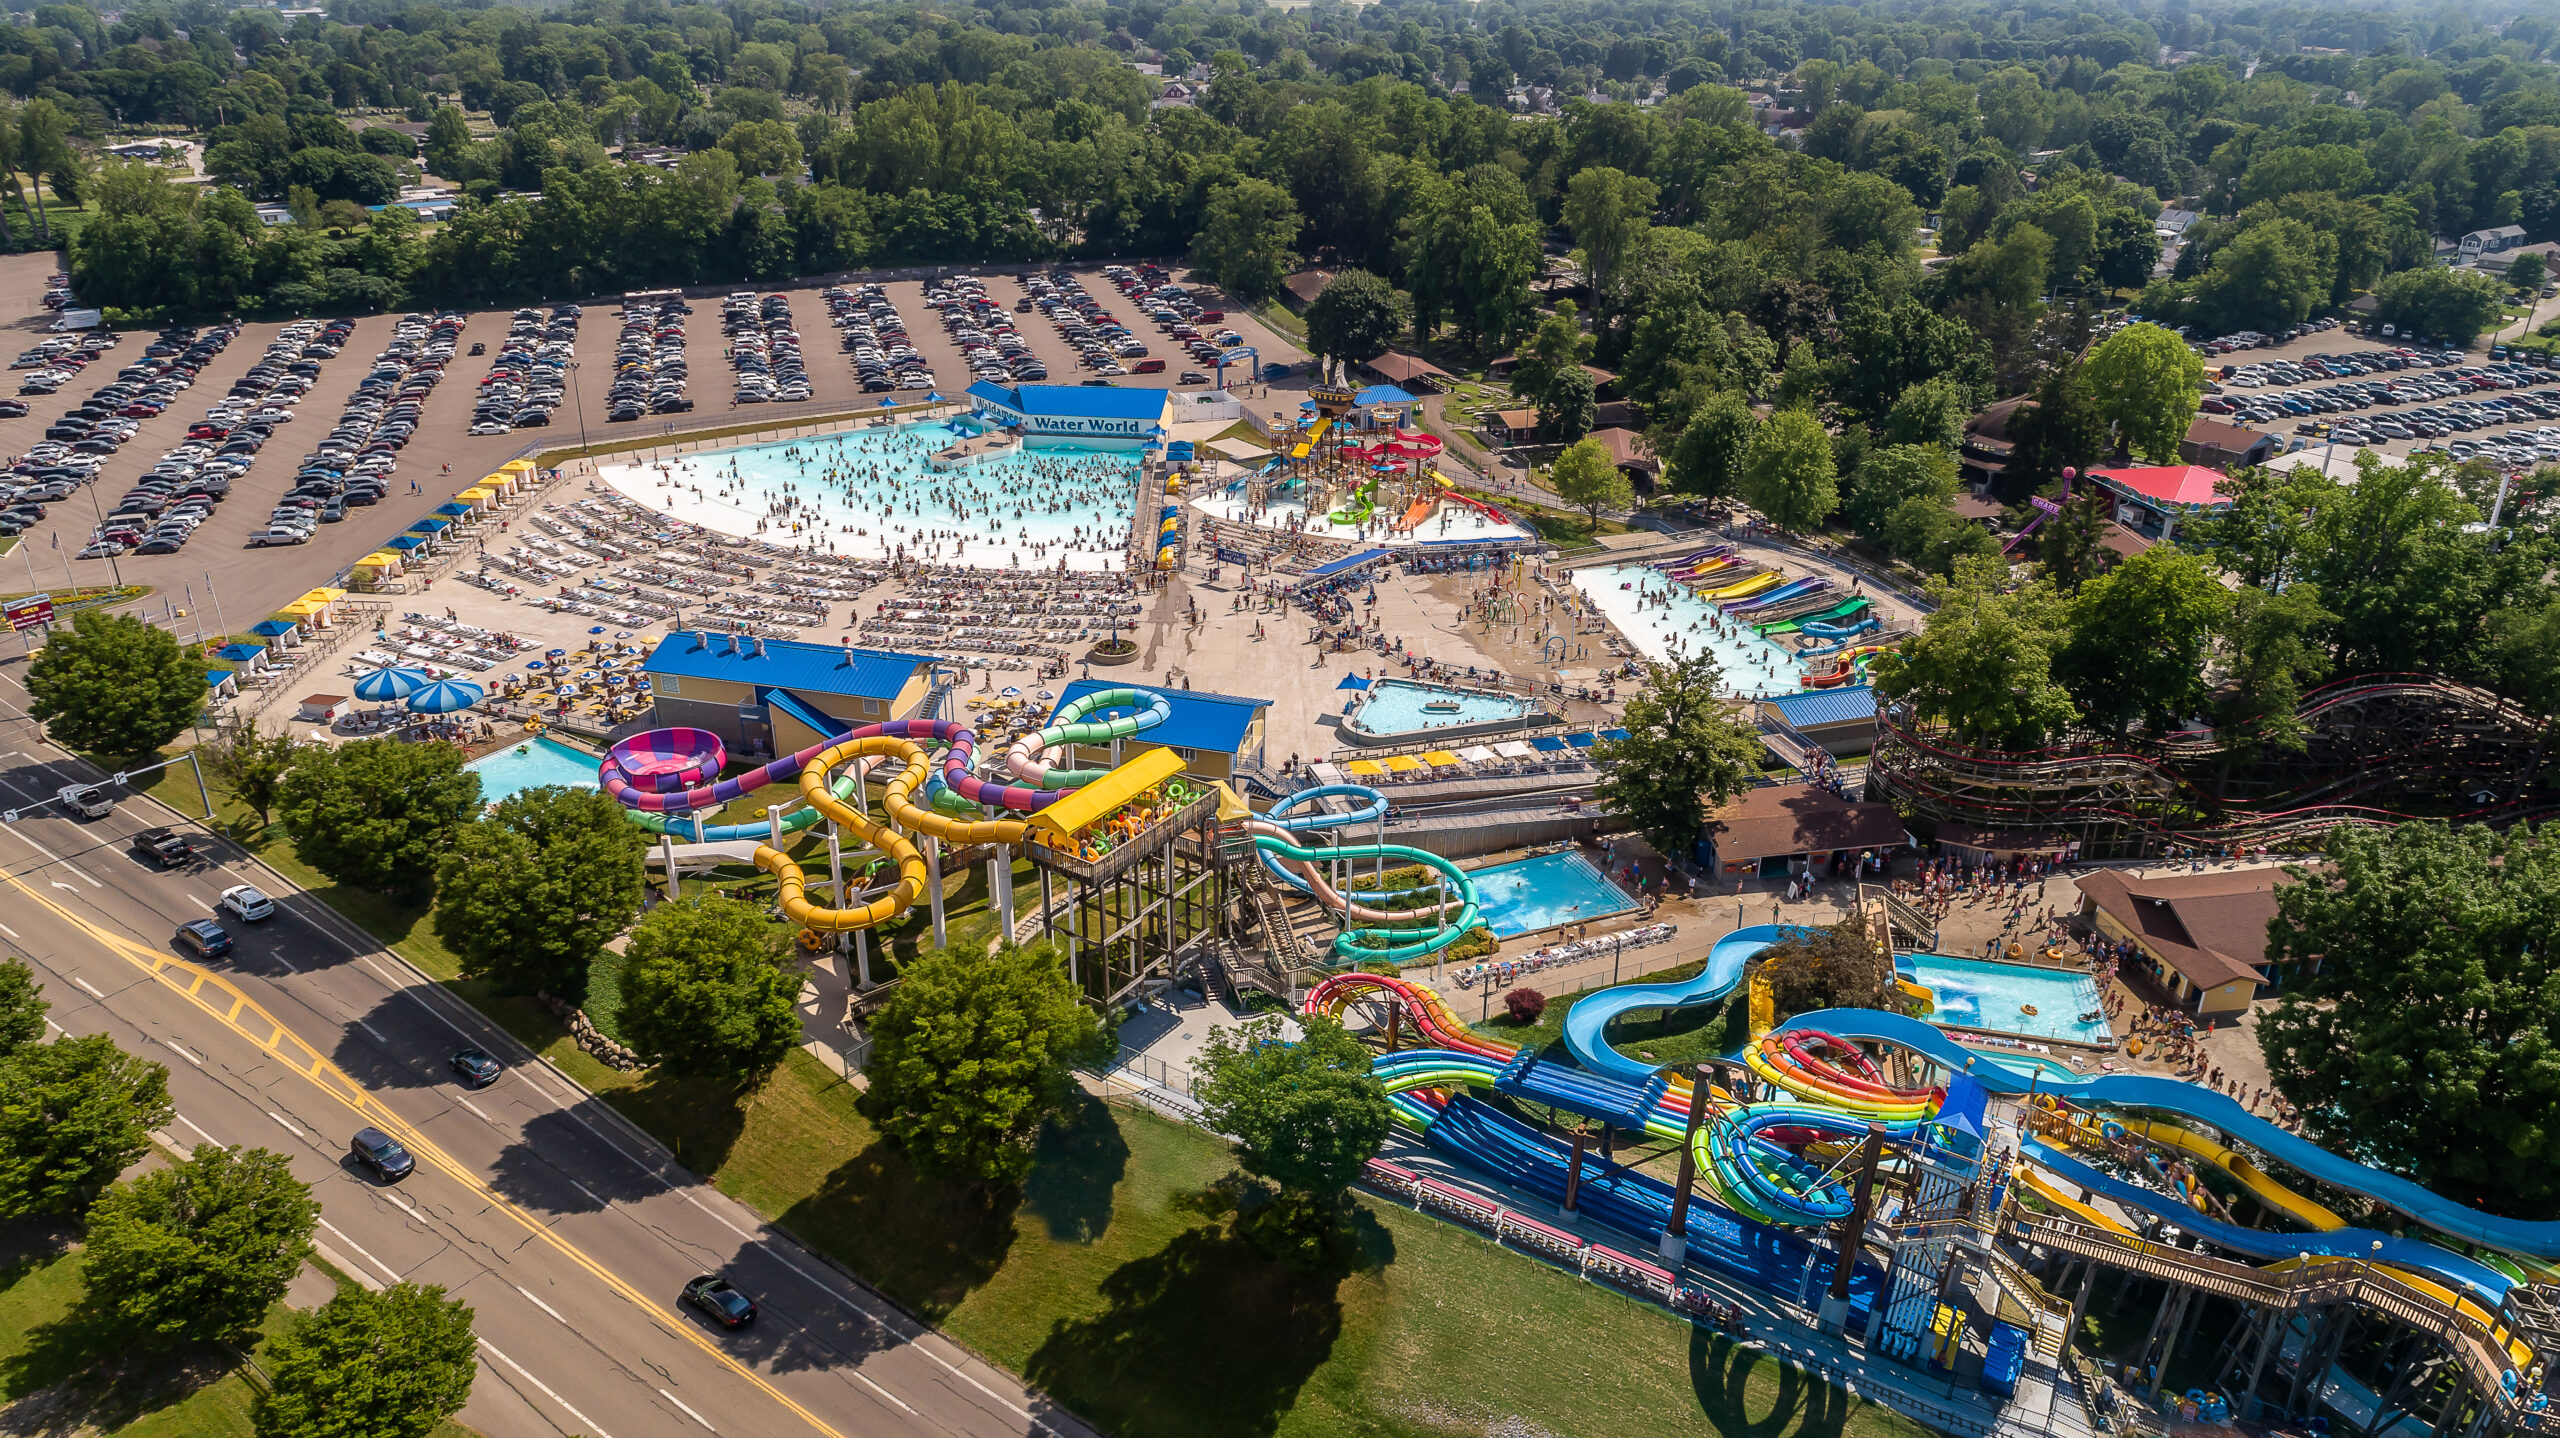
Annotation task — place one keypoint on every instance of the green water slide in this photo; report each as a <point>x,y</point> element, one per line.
<point>1845,610</point>
<point>1347,945</point>
<point>1364,502</point>
<point>1070,727</point>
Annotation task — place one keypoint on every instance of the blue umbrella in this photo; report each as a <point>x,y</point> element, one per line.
<point>1352,681</point>
<point>381,686</point>
<point>445,696</point>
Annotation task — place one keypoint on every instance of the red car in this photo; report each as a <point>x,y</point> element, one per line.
<point>207,431</point>
<point>139,409</point>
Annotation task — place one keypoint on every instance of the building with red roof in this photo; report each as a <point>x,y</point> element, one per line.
<point>2151,500</point>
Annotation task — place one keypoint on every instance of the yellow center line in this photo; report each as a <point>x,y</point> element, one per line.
<point>188,980</point>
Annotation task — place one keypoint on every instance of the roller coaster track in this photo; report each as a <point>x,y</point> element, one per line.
<point>2380,749</point>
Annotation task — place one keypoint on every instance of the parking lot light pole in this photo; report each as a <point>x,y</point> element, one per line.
<point>581,397</point>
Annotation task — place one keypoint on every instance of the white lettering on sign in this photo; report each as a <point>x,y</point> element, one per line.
<point>1064,424</point>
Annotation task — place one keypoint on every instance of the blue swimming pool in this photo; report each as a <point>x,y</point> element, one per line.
<point>1994,997</point>
<point>1400,706</point>
<point>1540,893</point>
<point>532,764</point>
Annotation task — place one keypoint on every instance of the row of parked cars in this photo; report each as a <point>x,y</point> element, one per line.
<point>1177,312</point>
<point>178,494</point>
<point>161,511</point>
<point>649,369</point>
<point>2372,385</point>
<point>529,378</point>
<point>875,334</point>
<point>56,359</point>
<point>1100,340</point>
<point>764,348</point>
<point>354,462</point>
<point>995,350</point>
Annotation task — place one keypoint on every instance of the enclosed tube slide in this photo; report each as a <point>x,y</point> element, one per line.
<point>1026,760</point>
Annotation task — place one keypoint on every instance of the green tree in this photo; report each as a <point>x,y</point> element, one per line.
<point>2070,547</point>
<point>2146,382</point>
<point>2061,431</point>
<point>1569,404</point>
<point>530,895</point>
<point>2423,1041</point>
<point>1707,459</point>
<point>705,992</point>
<point>2138,636</point>
<point>378,813</point>
<point>972,1054</point>
<point>1686,752</point>
<point>1787,474</point>
<point>2441,301</point>
<point>1931,412</point>
<point>1926,531</point>
<point>1557,345</point>
<point>112,684</point>
<point>2271,660</point>
<point>249,763</point>
<point>73,1114</point>
<point>1245,238</point>
<point>1306,1115</point>
<point>1836,966</point>
<point>764,147</point>
<point>1353,319</point>
<point>2526,272</point>
<point>2270,276</point>
<point>1585,477</point>
<point>200,1250</point>
<point>1888,476</point>
<point>393,1364</point>
<point>2260,533</point>
<point>22,1007</point>
<point>1982,664</point>
<point>1608,211</point>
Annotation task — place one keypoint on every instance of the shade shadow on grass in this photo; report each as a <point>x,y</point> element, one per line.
<point>927,1243</point>
<point>1147,1357</point>
<point>1802,1405</point>
<point>95,1379</point>
<point>700,1119</point>
<point>1081,1160</point>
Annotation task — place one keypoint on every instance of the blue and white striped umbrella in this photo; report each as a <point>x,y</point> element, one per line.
<point>381,686</point>
<point>445,696</point>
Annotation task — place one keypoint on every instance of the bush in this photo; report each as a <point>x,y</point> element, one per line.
<point>1525,1006</point>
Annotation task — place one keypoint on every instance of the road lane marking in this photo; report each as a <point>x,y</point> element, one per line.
<point>245,1017</point>
<point>5,929</point>
<point>590,1193</point>
<point>199,1128</point>
<point>204,903</point>
<point>594,1429</point>
<point>368,1028</point>
<point>191,1058</point>
<point>538,1303</point>
<point>688,1410</point>
<point>358,1249</point>
<point>289,1126</point>
<point>84,983</point>
<point>404,1205</point>
<point>475,1108</point>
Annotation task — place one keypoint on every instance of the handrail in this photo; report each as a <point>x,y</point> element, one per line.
<point>2484,1355</point>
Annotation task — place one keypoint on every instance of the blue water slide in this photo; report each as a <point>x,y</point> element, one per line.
<point>1769,1259</point>
<point>1586,1027</point>
<point>2479,1279</point>
<point>2539,1239</point>
<point>1819,630</point>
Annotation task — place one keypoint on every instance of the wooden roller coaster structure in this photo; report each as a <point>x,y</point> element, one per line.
<point>2378,749</point>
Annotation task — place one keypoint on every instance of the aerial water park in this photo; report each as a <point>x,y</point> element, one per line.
<point>1352,468</point>
<point>1770,634</point>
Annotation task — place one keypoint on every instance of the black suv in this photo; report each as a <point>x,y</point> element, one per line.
<point>382,1153</point>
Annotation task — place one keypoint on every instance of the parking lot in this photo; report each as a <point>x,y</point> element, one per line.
<point>441,455</point>
<point>2387,394</point>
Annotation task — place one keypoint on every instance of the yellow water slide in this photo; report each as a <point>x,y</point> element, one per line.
<point>903,812</point>
<point>1743,588</point>
<point>2251,1177</point>
<point>1314,437</point>
<point>2038,1185</point>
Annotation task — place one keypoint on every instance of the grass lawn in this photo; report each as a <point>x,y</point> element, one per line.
<point>1668,1036</point>
<point>1555,525</point>
<point>1100,1280</point>
<point>91,1379</point>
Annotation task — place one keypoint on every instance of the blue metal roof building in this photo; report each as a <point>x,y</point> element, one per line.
<point>1212,733</point>
<point>1072,411</point>
<point>1841,722</point>
<point>727,684</point>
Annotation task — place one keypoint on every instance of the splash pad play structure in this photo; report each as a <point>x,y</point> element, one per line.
<point>1348,470</point>
<point>1866,1167</point>
<point>1132,857</point>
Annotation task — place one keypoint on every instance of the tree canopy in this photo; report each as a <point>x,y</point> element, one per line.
<point>972,1054</point>
<point>112,684</point>
<point>2425,1042</point>
<point>2146,382</point>
<point>1353,319</point>
<point>1685,752</point>
<point>74,1113</point>
<point>706,991</point>
<point>378,813</point>
<point>392,1364</point>
<point>201,1249</point>
<point>531,894</point>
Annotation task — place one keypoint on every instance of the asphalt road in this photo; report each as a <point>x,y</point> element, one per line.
<point>567,1230</point>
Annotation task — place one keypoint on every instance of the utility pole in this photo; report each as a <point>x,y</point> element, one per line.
<point>1675,1235</point>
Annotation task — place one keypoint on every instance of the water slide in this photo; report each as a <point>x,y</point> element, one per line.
<point>1845,610</point>
<point>1310,879</point>
<point>1364,502</point>
<point>2266,1190</point>
<point>1743,587</point>
<point>1840,630</point>
<point>1787,593</point>
<point>1418,942</point>
<point>1424,507</point>
<point>1072,725</point>
<point>2532,1238</point>
<point>1314,437</point>
<point>1471,502</point>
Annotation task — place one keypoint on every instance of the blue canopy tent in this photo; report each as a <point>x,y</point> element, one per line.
<point>454,510</point>
<point>1612,736</point>
<point>1580,741</point>
<point>405,543</point>
<point>1547,744</point>
<point>1352,681</point>
<point>431,525</point>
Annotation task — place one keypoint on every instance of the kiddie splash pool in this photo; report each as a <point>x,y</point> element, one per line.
<point>1395,708</point>
<point>1540,893</point>
<point>532,764</point>
<point>1993,997</point>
